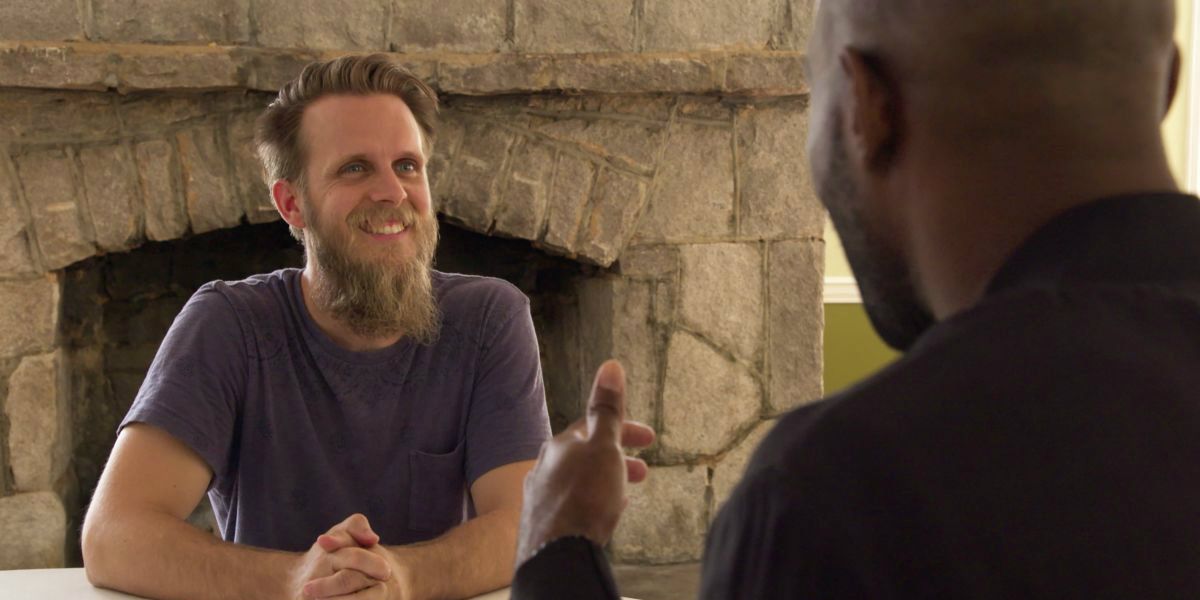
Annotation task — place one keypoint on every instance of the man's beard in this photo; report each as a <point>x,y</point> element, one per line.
<point>377,296</point>
<point>884,280</point>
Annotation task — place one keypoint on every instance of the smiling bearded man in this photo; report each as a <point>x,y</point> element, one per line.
<point>345,419</point>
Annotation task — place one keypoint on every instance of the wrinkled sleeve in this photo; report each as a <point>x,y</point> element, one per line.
<point>194,385</point>
<point>507,421</point>
<point>570,567</point>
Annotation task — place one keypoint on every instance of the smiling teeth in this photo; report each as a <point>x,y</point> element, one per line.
<point>387,229</point>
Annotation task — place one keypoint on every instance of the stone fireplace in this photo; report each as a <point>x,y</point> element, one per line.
<point>636,167</point>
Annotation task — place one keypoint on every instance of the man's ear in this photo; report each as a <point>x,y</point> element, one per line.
<point>1173,80</point>
<point>874,112</point>
<point>287,202</point>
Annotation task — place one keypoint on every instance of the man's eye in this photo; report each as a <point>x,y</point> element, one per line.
<point>354,168</point>
<point>406,166</point>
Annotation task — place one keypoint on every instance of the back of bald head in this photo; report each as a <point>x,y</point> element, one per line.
<point>1107,55</point>
<point>948,34</point>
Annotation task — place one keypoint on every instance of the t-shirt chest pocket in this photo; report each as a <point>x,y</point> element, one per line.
<point>437,494</point>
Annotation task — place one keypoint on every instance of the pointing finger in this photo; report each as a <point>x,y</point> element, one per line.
<point>606,407</point>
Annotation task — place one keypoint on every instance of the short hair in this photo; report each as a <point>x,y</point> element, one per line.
<point>277,130</point>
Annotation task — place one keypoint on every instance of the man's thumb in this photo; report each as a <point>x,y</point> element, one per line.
<point>606,407</point>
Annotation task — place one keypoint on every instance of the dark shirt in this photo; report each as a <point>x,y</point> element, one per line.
<point>300,433</point>
<point>1044,443</point>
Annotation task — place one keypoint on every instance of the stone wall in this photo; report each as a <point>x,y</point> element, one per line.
<point>659,140</point>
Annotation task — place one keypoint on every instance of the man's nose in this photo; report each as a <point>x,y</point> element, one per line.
<point>387,187</point>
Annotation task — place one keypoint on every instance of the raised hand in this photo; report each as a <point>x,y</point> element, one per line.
<point>578,485</point>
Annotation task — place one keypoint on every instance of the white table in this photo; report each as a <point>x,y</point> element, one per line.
<point>72,584</point>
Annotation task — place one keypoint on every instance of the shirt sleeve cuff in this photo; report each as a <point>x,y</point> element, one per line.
<point>568,567</point>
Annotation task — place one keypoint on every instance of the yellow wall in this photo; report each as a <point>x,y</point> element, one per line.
<point>1176,125</point>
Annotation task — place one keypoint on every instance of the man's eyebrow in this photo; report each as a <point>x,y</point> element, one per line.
<point>342,161</point>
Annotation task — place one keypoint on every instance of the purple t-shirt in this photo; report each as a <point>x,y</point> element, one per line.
<point>301,433</point>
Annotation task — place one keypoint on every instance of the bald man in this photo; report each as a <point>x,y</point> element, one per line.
<point>996,171</point>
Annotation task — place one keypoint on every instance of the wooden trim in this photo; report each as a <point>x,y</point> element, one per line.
<point>841,290</point>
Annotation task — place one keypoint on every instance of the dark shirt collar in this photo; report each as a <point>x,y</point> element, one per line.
<point>1144,238</point>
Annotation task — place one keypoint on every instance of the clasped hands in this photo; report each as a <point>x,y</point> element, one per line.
<point>348,562</point>
<point>576,488</point>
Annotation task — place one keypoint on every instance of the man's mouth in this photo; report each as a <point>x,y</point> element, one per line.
<point>389,228</point>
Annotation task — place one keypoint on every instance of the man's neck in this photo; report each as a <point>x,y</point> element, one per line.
<point>970,222</point>
<point>337,331</point>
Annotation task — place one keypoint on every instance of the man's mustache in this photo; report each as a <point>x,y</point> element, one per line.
<point>381,215</point>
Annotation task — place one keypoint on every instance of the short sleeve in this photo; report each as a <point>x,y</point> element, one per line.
<point>196,381</point>
<point>507,421</point>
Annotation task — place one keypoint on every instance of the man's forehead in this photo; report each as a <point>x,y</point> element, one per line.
<point>349,120</point>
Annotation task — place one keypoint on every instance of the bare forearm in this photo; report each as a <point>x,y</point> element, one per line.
<point>159,556</point>
<point>471,559</point>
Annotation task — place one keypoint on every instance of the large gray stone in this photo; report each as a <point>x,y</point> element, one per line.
<point>522,209</point>
<point>471,191</point>
<point>166,215</point>
<point>208,68</point>
<point>617,202</point>
<point>52,66</point>
<point>635,342</point>
<point>758,74</point>
<point>654,262</point>
<point>249,182</point>
<point>707,399</point>
<point>29,314</point>
<point>693,195</point>
<point>797,323</point>
<point>449,25</point>
<point>16,250</point>
<point>666,519</point>
<point>573,182</point>
<point>76,116</point>
<point>63,233</point>
<point>39,422</point>
<point>450,133</point>
<point>708,24</point>
<point>778,200</point>
<point>151,114</point>
<point>356,25</point>
<point>140,21</point>
<point>613,73</point>
<point>721,295</point>
<point>570,26</point>
<point>110,179</point>
<point>633,144</point>
<point>615,321</point>
<point>210,206</point>
<point>33,531</point>
<point>799,26</point>
<point>40,20</point>
<point>728,472</point>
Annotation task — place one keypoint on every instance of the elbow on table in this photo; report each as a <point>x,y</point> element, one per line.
<point>96,558</point>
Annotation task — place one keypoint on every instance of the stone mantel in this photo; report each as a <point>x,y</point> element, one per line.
<point>154,67</point>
